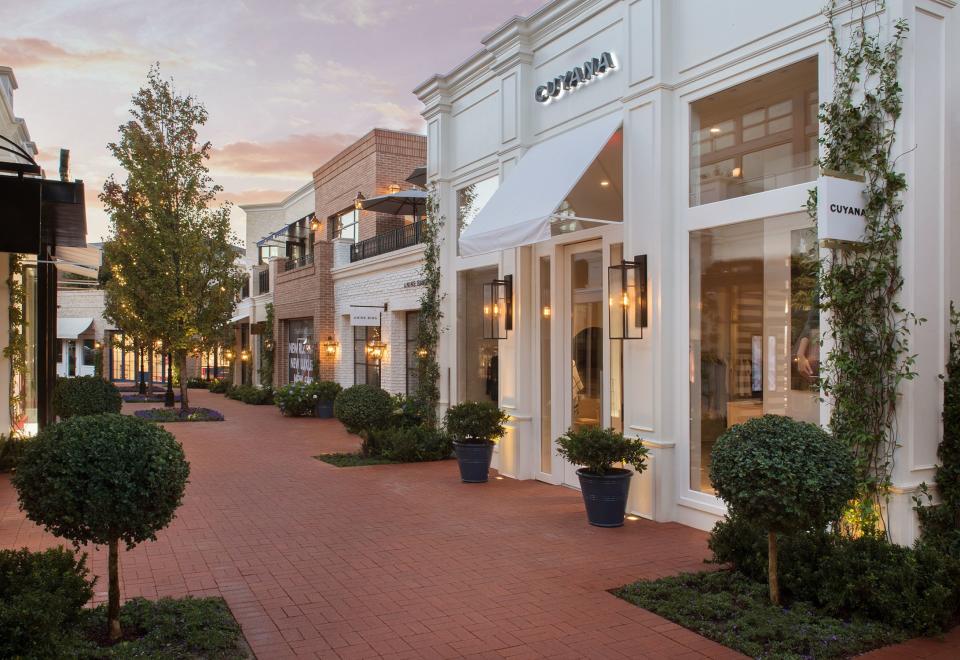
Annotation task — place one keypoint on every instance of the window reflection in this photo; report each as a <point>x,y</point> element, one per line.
<point>478,366</point>
<point>586,304</point>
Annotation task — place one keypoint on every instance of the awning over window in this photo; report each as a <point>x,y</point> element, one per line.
<point>73,328</point>
<point>520,211</point>
<point>79,260</point>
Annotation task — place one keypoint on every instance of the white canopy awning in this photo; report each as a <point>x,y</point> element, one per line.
<point>520,211</point>
<point>72,328</point>
<point>79,261</point>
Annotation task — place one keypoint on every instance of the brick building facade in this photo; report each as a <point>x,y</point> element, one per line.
<point>305,309</point>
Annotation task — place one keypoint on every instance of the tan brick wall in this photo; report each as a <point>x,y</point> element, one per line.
<point>370,166</point>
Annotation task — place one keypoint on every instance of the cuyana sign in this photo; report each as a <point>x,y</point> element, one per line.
<point>575,77</point>
<point>841,208</point>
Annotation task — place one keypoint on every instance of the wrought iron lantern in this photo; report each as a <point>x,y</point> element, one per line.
<point>244,355</point>
<point>229,354</point>
<point>627,286</point>
<point>315,224</point>
<point>376,349</point>
<point>358,202</point>
<point>330,346</point>
<point>498,308</point>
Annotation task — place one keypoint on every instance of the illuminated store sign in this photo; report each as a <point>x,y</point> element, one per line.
<point>575,77</point>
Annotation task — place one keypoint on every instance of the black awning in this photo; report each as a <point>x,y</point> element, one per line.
<point>65,212</point>
<point>30,205</point>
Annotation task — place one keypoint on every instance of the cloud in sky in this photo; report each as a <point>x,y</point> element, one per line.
<point>24,52</point>
<point>361,13</point>
<point>293,155</point>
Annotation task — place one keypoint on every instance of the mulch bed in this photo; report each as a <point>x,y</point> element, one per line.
<point>177,415</point>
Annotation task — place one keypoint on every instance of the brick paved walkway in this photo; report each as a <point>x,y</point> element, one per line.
<point>397,561</point>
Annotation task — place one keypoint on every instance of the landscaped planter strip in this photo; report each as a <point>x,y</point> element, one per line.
<point>177,415</point>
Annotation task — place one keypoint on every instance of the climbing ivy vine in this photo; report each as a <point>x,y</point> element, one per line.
<point>868,331</point>
<point>16,349</point>
<point>266,354</point>
<point>427,394</point>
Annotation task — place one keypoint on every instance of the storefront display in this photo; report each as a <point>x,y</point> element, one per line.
<point>300,350</point>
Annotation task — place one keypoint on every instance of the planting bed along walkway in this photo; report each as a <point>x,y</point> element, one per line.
<point>397,560</point>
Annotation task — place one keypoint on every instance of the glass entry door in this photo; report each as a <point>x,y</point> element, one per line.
<point>583,341</point>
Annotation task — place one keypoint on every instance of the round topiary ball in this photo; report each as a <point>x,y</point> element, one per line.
<point>363,407</point>
<point>85,395</point>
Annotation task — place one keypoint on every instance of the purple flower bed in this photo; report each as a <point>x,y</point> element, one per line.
<point>176,415</point>
<point>147,398</point>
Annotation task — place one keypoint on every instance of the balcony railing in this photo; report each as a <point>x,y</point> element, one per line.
<point>387,242</point>
<point>299,262</point>
<point>263,281</point>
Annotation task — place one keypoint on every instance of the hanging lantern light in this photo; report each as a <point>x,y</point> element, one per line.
<point>376,349</point>
<point>422,353</point>
<point>330,346</point>
<point>244,355</point>
<point>627,288</point>
<point>315,224</point>
<point>498,308</point>
<point>229,354</point>
<point>358,202</point>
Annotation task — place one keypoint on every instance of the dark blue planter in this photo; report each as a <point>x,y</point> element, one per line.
<point>474,461</point>
<point>323,409</point>
<point>605,496</point>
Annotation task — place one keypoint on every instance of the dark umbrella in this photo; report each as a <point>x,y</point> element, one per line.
<point>404,202</point>
<point>418,177</point>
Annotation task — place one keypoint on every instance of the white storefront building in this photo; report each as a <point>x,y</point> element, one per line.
<point>688,146</point>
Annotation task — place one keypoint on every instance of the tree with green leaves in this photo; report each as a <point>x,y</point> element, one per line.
<point>172,275</point>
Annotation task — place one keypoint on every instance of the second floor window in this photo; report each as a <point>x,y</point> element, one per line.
<point>348,225</point>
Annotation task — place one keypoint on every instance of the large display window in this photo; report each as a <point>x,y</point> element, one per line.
<point>754,329</point>
<point>300,350</point>
<point>757,136</point>
<point>477,360</point>
<point>366,367</point>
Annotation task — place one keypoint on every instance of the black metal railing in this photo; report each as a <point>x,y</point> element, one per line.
<point>263,281</point>
<point>299,262</point>
<point>395,239</point>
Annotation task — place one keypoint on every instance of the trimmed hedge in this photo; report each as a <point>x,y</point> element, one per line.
<point>363,408</point>
<point>85,395</point>
<point>409,444</point>
<point>42,595</point>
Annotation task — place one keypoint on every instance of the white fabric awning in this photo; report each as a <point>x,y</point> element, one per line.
<point>79,261</point>
<point>241,317</point>
<point>520,211</point>
<point>72,328</point>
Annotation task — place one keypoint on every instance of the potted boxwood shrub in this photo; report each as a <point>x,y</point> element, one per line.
<point>325,393</point>
<point>474,426</point>
<point>603,486</point>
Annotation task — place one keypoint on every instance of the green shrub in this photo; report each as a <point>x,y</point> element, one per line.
<point>42,595</point>
<point>363,408</point>
<point>85,395</point>
<point>409,444</point>
<point>407,410</point>
<point>103,479</point>
<point>218,386</point>
<point>11,449</point>
<point>326,390</point>
<point>598,449</point>
<point>477,422</point>
<point>256,396</point>
<point>295,399</point>
<point>912,589</point>
<point>783,475</point>
<point>197,383</point>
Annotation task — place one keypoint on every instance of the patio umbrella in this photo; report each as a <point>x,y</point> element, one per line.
<point>404,202</point>
<point>418,177</point>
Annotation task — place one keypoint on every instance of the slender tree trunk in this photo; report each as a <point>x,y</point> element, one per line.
<point>113,599</point>
<point>169,400</point>
<point>182,366</point>
<point>772,568</point>
<point>143,385</point>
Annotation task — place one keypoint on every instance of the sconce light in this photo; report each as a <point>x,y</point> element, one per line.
<point>315,224</point>
<point>358,202</point>
<point>627,285</point>
<point>229,354</point>
<point>97,345</point>
<point>244,355</point>
<point>376,349</point>
<point>393,188</point>
<point>268,344</point>
<point>422,353</point>
<point>498,308</point>
<point>330,346</point>
<point>546,311</point>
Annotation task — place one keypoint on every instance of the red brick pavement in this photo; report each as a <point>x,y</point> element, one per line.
<point>397,561</point>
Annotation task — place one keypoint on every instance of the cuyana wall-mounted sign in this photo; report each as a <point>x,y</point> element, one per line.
<point>841,208</point>
<point>575,77</point>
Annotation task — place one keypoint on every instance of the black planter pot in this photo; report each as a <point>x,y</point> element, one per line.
<point>605,496</point>
<point>474,460</point>
<point>323,409</point>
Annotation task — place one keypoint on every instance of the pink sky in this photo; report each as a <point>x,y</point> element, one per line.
<point>287,83</point>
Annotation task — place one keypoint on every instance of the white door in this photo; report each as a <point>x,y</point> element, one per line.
<point>584,336</point>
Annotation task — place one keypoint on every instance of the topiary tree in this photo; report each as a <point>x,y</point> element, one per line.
<point>85,395</point>
<point>476,422</point>
<point>363,407</point>
<point>784,476</point>
<point>103,479</point>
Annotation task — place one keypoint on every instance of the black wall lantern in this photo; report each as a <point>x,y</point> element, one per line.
<point>628,298</point>
<point>498,308</point>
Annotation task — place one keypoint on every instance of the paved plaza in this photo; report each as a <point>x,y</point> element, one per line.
<point>398,560</point>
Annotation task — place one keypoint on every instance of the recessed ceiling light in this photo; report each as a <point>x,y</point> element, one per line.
<point>714,129</point>
<point>604,183</point>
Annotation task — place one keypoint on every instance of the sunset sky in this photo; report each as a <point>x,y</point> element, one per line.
<point>287,83</point>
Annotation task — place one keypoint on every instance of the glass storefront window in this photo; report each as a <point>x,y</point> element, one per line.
<point>757,136</point>
<point>300,350</point>
<point>586,333</point>
<point>89,353</point>
<point>754,329</point>
<point>366,369</point>
<point>546,316</point>
<point>477,365</point>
